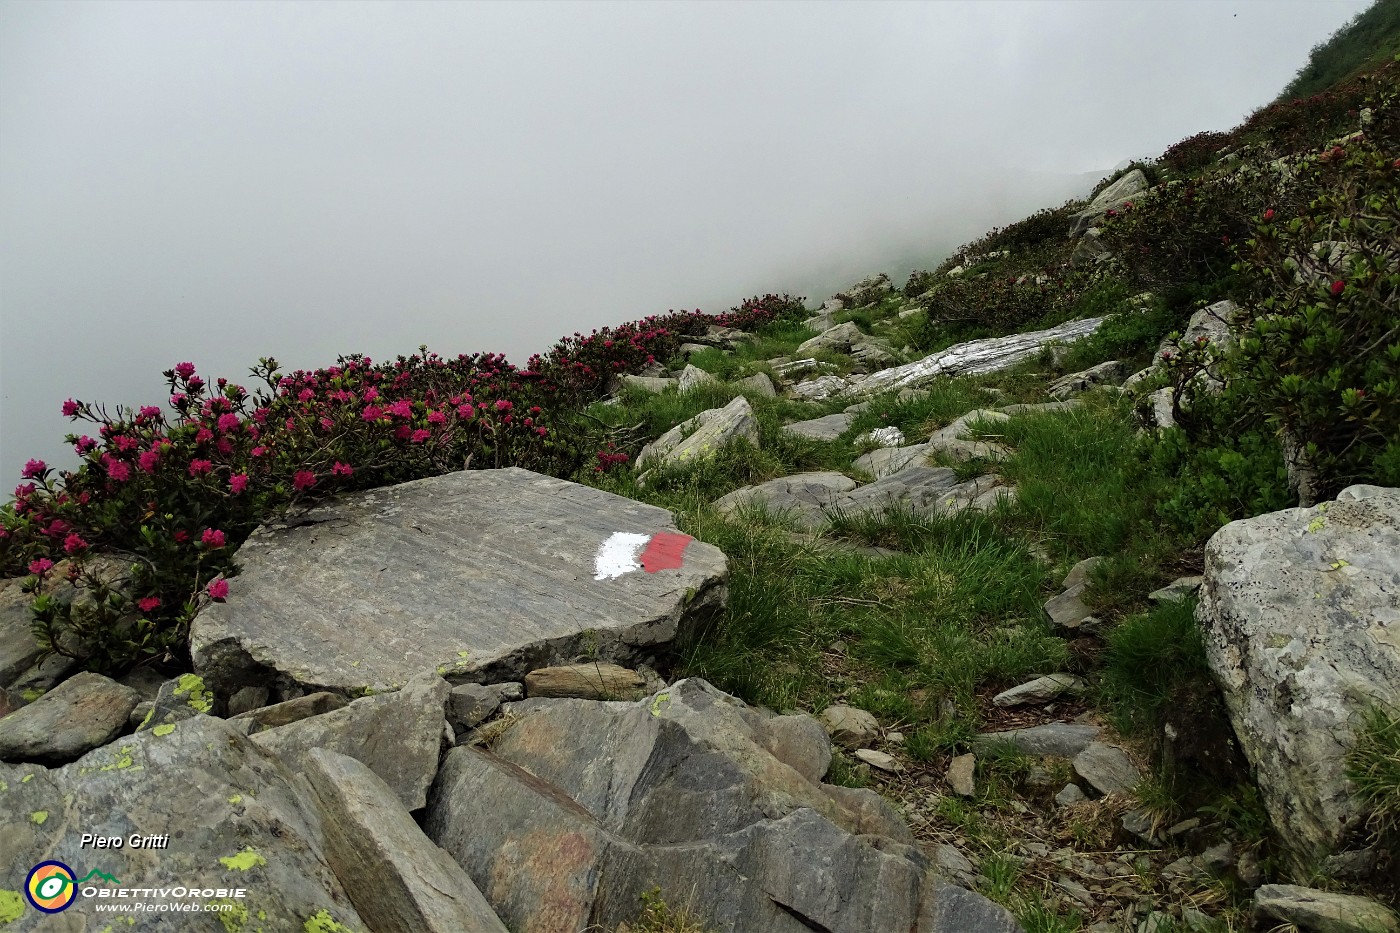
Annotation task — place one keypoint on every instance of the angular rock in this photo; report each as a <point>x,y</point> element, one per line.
<point>1108,769</point>
<point>1041,690</point>
<point>83,712</point>
<point>850,727</point>
<point>1179,589</point>
<point>1069,796</point>
<point>246,700</point>
<point>759,384</point>
<point>1300,610</point>
<point>700,437</point>
<point>178,700</point>
<point>397,735</point>
<point>923,491</point>
<point>586,681</point>
<point>953,441</point>
<point>947,908</point>
<point>1089,250</point>
<point>872,813</point>
<point>802,496</point>
<point>976,356</point>
<point>869,290</point>
<point>890,460</point>
<point>396,878</point>
<point>1211,324</point>
<point>838,339</point>
<point>1112,372</point>
<point>1079,573</point>
<point>885,437</point>
<point>1060,739</point>
<point>1323,911</point>
<point>365,591</point>
<point>1111,198</point>
<point>881,760</point>
<point>232,817</point>
<point>581,806</point>
<point>962,775</point>
<point>1067,610</point>
<point>1040,408</point>
<point>471,704</point>
<point>18,649</point>
<point>693,376</point>
<point>823,321</point>
<point>801,743</point>
<point>288,711</point>
<point>825,428</point>
<point>818,389</point>
<point>652,384</point>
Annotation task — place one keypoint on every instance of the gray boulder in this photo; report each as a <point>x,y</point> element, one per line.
<point>953,443</point>
<point>887,461</point>
<point>700,437</point>
<point>217,809</point>
<point>975,356</point>
<point>1112,372</point>
<point>653,384</point>
<point>1107,768</point>
<point>1041,690</point>
<point>1315,911</point>
<point>1111,198</point>
<point>825,428</point>
<point>363,592</point>
<point>759,384</point>
<point>1089,250</point>
<point>818,389</point>
<point>803,497</point>
<point>838,339</point>
<point>396,878</point>
<point>78,715</point>
<point>581,806</point>
<point>869,290</point>
<point>1058,739</point>
<point>1300,609</point>
<point>693,376</point>
<point>924,490</point>
<point>397,736</point>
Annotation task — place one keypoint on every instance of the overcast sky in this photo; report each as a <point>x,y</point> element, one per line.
<point>216,182</point>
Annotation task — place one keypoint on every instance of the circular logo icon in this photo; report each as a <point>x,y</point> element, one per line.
<point>50,887</point>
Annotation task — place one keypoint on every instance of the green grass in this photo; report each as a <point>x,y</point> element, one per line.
<point>1373,767</point>
<point>1150,659</point>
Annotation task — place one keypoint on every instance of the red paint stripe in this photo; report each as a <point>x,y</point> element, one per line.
<point>664,551</point>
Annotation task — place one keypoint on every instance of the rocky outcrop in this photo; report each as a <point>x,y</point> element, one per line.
<point>692,377</point>
<point>1300,610</point>
<point>825,428</point>
<point>953,442</point>
<point>803,497</point>
<point>480,575</point>
<point>701,436</point>
<point>1309,909</point>
<point>581,806</point>
<point>1110,198</point>
<point>78,715</point>
<point>976,356</point>
<point>1112,372</point>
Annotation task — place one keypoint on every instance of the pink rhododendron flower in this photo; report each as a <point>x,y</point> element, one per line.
<point>228,422</point>
<point>196,383</point>
<point>238,482</point>
<point>150,411</point>
<point>117,470</point>
<point>73,544</point>
<point>84,444</point>
<point>401,408</point>
<point>213,538</point>
<point>504,404</point>
<point>372,413</point>
<point>178,399</point>
<point>147,461</point>
<point>184,370</point>
<point>436,417</point>
<point>403,432</point>
<point>148,603</point>
<point>41,566</point>
<point>34,468</point>
<point>70,408</point>
<point>224,446</point>
<point>57,527</point>
<point>181,536</point>
<point>218,589</point>
<point>306,395</point>
<point>304,479</point>
<point>258,451</point>
<point>421,435</point>
<point>464,411</point>
<point>1338,287</point>
<point>342,469</point>
<point>1269,214</point>
<point>199,467</point>
<point>327,424</point>
<point>203,436</point>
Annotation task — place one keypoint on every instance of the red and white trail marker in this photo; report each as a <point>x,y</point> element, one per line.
<point>624,552</point>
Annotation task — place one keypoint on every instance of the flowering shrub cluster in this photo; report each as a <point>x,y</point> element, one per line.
<point>1196,152</point>
<point>1311,122</point>
<point>176,489</point>
<point>584,365</point>
<point>1005,303</point>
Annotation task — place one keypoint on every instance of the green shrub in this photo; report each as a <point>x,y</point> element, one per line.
<point>1196,152</point>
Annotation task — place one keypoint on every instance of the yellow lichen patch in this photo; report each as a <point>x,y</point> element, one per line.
<point>323,922</point>
<point>248,858</point>
<point>236,799</point>
<point>11,906</point>
<point>163,729</point>
<point>38,817</point>
<point>192,685</point>
<point>661,700</point>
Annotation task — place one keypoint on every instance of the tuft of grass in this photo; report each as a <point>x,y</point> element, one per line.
<point>1151,658</point>
<point>1373,767</point>
<point>659,917</point>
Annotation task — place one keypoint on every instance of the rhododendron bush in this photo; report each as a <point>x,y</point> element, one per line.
<point>172,490</point>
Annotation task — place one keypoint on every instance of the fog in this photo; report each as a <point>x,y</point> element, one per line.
<point>218,182</point>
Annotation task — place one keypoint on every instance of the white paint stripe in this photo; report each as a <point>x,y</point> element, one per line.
<point>619,555</point>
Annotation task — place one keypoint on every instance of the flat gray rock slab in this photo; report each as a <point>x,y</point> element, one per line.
<point>1041,690</point>
<point>1324,911</point>
<point>802,497</point>
<point>397,735</point>
<point>759,384</point>
<point>480,575</point>
<point>815,390</point>
<point>702,436</point>
<point>826,428</point>
<point>887,461</point>
<point>976,356</point>
<point>1107,768</point>
<point>693,376</point>
<point>1057,739</point>
<point>925,491</point>
<point>1301,614</point>
<point>229,814</point>
<point>83,712</point>
<point>398,880</point>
